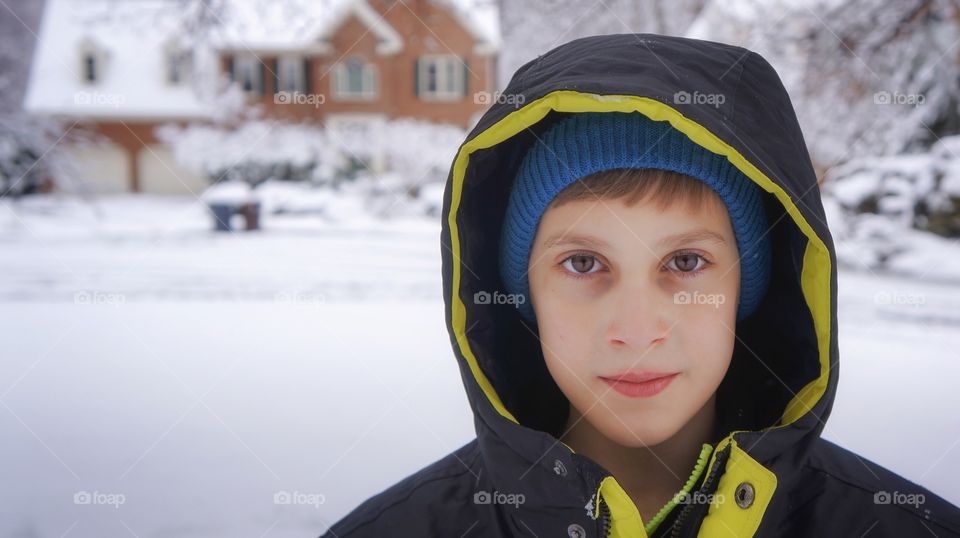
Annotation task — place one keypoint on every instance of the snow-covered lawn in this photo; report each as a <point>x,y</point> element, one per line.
<point>160,380</point>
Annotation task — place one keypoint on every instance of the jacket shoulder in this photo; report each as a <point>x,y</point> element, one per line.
<point>852,484</point>
<point>418,504</point>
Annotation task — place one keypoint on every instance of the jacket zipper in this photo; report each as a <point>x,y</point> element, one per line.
<point>678,524</point>
<point>709,485</point>
<point>604,519</point>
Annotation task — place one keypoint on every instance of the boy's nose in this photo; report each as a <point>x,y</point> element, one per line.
<point>637,320</point>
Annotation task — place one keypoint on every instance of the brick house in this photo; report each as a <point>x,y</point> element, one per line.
<point>346,63</point>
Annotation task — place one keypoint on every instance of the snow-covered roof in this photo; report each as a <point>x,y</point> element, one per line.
<point>390,41</point>
<point>298,25</point>
<point>481,19</point>
<point>131,39</point>
<point>306,24</point>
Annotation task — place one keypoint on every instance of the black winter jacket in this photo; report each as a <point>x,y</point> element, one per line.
<point>784,479</point>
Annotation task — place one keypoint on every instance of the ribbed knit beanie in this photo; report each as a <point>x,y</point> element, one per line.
<point>591,142</point>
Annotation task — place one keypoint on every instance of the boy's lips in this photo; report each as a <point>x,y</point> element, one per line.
<point>640,384</point>
<point>638,377</point>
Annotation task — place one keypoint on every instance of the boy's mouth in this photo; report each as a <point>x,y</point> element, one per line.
<point>640,384</point>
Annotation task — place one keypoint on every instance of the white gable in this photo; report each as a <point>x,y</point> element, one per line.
<point>389,41</point>
<point>131,42</point>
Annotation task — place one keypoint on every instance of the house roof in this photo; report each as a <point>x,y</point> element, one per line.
<point>306,24</point>
<point>389,40</point>
<point>131,39</point>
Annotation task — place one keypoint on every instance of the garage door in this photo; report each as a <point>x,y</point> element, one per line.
<point>160,174</point>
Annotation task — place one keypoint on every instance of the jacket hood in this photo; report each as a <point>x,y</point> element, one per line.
<point>778,392</point>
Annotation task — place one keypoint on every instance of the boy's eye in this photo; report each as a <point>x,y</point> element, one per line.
<point>686,262</point>
<point>581,264</point>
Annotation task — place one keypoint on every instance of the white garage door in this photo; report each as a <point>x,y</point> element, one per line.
<point>160,174</point>
<point>99,168</point>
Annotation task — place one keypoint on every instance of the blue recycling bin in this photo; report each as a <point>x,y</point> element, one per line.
<point>222,213</point>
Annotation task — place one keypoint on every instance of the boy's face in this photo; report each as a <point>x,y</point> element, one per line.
<point>614,294</point>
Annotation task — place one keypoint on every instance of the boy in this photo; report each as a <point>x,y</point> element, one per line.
<point>640,290</point>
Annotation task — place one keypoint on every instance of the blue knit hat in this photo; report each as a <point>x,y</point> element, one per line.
<point>586,143</point>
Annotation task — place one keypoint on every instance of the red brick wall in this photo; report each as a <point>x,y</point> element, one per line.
<point>425,29</point>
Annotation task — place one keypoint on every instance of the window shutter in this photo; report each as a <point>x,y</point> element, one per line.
<point>307,83</point>
<point>466,78</point>
<point>90,67</point>
<point>276,75</point>
<point>260,75</point>
<point>416,77</point>
<point>230,69</point>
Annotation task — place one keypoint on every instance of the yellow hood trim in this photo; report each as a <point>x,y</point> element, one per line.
<point>815,275</point>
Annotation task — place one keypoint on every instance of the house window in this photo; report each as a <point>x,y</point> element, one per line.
<point>355,79</point>
<point>441,78</point>
<point>178,65</point>
<point>248,73</point>
<point>93,59</point>
<point>291,76</point>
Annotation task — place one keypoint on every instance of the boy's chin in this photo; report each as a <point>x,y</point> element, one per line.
<point>639,435</point>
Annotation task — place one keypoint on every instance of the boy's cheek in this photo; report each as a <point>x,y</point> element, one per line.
<point>709,302</point>
<point>559,302</point>
<point>709,351</point>
<point>570,308</point>
<point>571,374</point>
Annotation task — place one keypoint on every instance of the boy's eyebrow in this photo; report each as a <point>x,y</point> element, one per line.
<point>702,234</point>
<point>582,240</point>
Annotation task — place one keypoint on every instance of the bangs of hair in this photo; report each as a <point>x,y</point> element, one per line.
<point>633,185</point>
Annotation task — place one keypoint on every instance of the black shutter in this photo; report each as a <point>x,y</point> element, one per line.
<point>276,75</point>
<point>416,77</point>
<point>230,72</point>
<point>260,75</point>
<point>91,68</point>
<point>307,83</point>
<point>466,78</point>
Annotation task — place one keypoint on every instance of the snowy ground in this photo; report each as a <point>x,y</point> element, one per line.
<point>196,384</point>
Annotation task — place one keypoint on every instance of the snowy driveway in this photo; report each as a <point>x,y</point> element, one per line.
<point>158,380</point>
